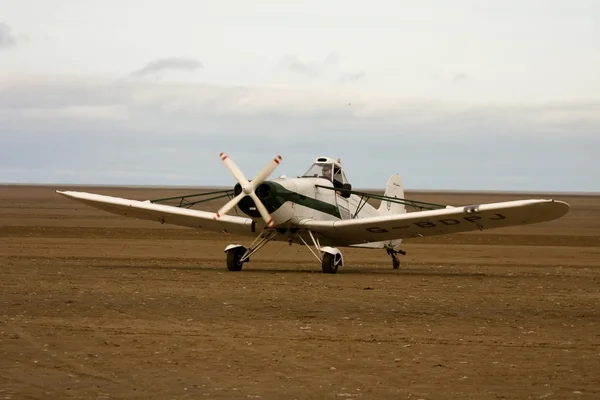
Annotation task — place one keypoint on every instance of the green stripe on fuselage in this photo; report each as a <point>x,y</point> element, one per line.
<point>284,195</point>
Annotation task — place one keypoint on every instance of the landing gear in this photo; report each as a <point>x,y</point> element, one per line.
<point>330,263</point>
<point>237,254</point>
<point>392,253</point>
<point>330,257</point>
<point>234,257</point>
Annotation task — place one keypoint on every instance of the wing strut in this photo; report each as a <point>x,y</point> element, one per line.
<point>188,200</point>
<point>365,196</point>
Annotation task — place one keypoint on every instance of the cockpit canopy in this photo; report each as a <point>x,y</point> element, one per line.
<point>323,167</point>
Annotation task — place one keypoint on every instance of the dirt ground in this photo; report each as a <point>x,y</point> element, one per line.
<point>96,306</point>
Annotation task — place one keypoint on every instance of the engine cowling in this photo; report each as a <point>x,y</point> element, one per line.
<point>275,197</point>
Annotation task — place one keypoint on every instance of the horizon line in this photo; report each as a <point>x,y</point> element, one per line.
<point>223,187</point>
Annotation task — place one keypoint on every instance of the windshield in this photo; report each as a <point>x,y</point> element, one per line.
<point>324,170</point>
<point>316,171</point>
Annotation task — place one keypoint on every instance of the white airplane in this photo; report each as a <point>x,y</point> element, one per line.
<point>321,207</point>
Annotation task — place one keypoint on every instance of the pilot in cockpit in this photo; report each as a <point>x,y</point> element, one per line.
<point>327,174</point>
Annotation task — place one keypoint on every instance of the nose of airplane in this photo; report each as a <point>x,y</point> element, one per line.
<point>266,190</point>
<point>274,195</point>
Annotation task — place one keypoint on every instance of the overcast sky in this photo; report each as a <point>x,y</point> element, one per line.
<point>465,94</point>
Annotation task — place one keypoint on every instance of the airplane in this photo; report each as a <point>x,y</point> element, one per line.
<point>321,207</point>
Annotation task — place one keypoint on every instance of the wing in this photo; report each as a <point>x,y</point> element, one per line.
<point>438,222</point>
<point>163,213</point>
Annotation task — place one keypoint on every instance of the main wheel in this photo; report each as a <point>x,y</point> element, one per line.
<point>329,264</point>
<point>396,263</point>
<point>233,259</point>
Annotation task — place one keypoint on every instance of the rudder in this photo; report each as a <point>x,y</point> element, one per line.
<point>394,188</point>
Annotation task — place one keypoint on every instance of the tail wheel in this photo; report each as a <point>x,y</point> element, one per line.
<point>330,263</point>
<point>233,259</point>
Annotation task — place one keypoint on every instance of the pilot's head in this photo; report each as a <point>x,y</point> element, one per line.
<point>326,171</point>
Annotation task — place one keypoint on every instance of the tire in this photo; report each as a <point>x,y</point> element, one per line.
<point>329,264</point>
<point>233,259</point>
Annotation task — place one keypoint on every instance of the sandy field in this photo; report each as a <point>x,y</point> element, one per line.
<point>96,306</point>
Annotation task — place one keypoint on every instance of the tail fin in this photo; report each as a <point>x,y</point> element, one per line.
<point>394,189</point>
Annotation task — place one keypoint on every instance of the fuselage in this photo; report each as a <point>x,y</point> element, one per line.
<point>291,200</point>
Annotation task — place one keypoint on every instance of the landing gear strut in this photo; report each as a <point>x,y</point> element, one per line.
<point>330,257</point>
<point>392,253</point>
<point>237,254</point>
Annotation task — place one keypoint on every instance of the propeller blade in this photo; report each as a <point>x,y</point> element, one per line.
<point>233,168</point>
<point>229,205</point>
<point>248,187</point>
<point>262,210</point>
<point>266,171</point>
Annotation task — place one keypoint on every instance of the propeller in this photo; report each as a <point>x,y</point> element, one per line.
<point>248,187</point>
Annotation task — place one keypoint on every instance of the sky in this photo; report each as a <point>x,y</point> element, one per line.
<point>466,95</point>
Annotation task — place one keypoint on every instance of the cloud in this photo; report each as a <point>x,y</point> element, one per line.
<point>164,64</point>
<point>87,130</point>
<point>326,68</point>
<point>7,38</point>
<point>163,156</point>
<point>299,67</point>
<point>59,97</point>
<point>304,68</point>
<point>460,78</point>
<point>353,77</point>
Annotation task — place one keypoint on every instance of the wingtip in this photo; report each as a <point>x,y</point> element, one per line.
<point>65,193</point>
<point>70,194</point>
<point>566,206</point>
<point>557,208</point>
